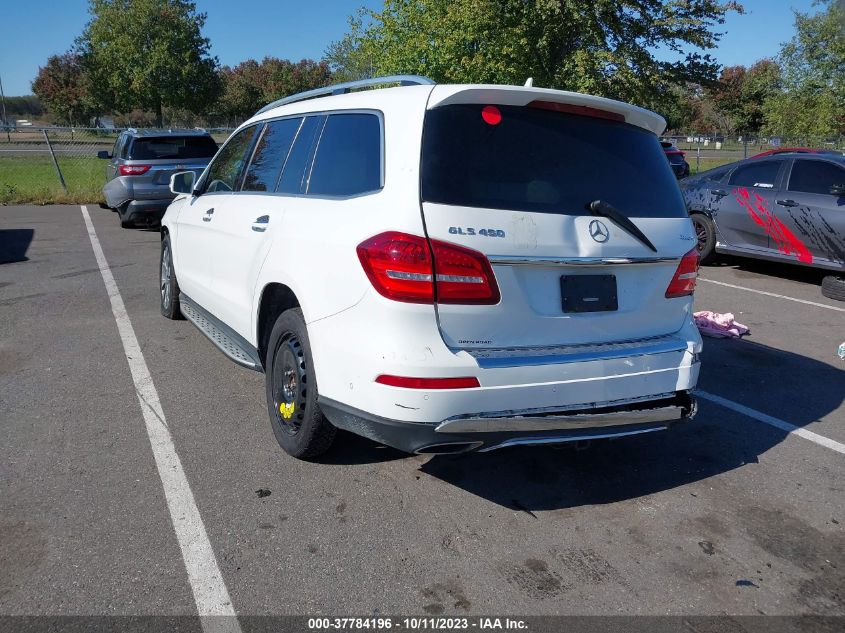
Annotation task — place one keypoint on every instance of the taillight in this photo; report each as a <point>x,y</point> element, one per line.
<point>463,275</point>
<point>133,170</point>
<point>412,269</point>
<point>468,382</point>
<point>683,282</point>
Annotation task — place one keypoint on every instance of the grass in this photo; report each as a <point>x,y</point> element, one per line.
<point>707,163</point>
<point>33,179</point>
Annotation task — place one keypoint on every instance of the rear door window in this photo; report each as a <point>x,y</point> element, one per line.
<point>533,159</point>
<point>270,154</point>
<point>172,147</point>
<point>763,175</point>
<point>348,158</point>
<point>815,176</point>
<point>225,170</point>
<point>295,169</point>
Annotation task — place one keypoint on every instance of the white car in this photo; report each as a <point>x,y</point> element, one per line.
<point>443,268</point>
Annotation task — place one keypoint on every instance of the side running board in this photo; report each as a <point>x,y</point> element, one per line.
<point>232,344</point>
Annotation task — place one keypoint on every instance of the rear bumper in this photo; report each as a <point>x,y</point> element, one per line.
<point>499,430</point>
<point>145,211</point>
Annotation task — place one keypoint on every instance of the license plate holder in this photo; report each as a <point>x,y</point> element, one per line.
<point>588,293</point>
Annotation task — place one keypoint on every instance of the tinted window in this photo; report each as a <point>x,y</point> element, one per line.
<point>815,176</point>
<point>756,174</point>
<point>293,174</point>
<point>676,159</point>
<point>270,154</point>
<point>161,147</point>
<point>348,159</point>
<point>224,171</point>
<point>530,159</point>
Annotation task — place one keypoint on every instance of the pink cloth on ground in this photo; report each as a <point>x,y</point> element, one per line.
<point>719,325</point>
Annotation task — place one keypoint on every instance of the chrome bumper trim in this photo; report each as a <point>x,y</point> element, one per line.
<point>561,422</point>
<point>503,260</point>
<point>521,357</point>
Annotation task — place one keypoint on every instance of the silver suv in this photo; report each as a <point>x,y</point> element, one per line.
<point>140,166</point>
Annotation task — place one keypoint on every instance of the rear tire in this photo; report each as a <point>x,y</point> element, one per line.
<point>300,427</point>
<point>705,234</point>
<point>833,287</point>
<point>168,286</point>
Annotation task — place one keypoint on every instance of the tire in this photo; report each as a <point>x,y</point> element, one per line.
<point>833,287</point>
<point>291,389</point>
<point>705,233</point>
<point>167,284</point>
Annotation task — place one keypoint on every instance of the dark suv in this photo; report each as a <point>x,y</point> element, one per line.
<point>140,165</point>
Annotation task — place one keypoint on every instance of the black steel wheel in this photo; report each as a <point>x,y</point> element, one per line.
<point>705,235</point>
<point>298,424</point>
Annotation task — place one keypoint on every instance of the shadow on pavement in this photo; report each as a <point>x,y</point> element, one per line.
<point>13,245</point>
<point>715,442</point>
<point>751,268</point>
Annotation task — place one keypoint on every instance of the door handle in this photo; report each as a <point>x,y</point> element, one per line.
<point>787,203</point>
<point>259,225</point>
<point>207,216</point>
<point>719,192</point>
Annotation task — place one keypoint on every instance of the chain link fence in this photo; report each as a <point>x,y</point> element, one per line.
<point>60,164</point>
<point>705,152</point>
<point>57,164</point>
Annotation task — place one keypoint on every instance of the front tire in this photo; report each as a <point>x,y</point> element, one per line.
<point>833,287</point>
<point>300,427</point>
<point>168,286</point>
<point>705,234</point>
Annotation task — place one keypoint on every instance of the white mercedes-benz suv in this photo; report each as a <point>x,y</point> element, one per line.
<point>443,268</point>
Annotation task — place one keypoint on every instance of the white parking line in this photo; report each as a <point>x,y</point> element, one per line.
<point>821,440</point>
<point>772,294</point>
<point>204,575</point>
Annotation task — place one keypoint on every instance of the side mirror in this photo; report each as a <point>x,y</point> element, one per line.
<point>838,190</point>
<point>182,182</point>
<point>103,154</point>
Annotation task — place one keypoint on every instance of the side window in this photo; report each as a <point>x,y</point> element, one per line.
<point>115,152</point>
<point>294,172</point>
<point>815,176</point>
<point>224,171</point>
<point>348,158</point>
<point>271,151</point>
<point>756,175</point>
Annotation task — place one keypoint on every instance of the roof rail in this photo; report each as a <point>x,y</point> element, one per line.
<point>349,86</point>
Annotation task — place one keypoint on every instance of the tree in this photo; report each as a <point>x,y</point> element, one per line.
<point>602,47</point>
<point>149,54</point>
<point>63,86</point>
<point>740,94</point>
<point>813,62</point>
<point>251,85</point>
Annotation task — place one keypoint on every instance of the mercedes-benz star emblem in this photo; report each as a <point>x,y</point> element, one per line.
<point>599,232</point>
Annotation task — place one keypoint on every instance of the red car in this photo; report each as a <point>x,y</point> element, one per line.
<point>795,150</point>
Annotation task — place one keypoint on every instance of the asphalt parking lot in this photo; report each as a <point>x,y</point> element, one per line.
<point>726,515</point>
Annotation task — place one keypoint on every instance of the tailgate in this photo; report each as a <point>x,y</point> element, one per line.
<point>515,182</point>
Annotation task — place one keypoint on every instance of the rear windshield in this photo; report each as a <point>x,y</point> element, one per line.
<point>530,159</point>
<point>676,159</point>
<point>163,147</point>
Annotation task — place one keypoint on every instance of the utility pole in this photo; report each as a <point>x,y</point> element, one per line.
<point>3,105</point>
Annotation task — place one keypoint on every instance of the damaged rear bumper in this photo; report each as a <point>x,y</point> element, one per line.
<point>491,431</point>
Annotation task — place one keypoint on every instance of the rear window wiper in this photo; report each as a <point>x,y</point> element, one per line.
<point>602,208</point>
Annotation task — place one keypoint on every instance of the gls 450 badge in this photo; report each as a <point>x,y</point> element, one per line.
<point>458,230</point>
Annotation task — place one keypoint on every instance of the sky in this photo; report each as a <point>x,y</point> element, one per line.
<point>293,29</point>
